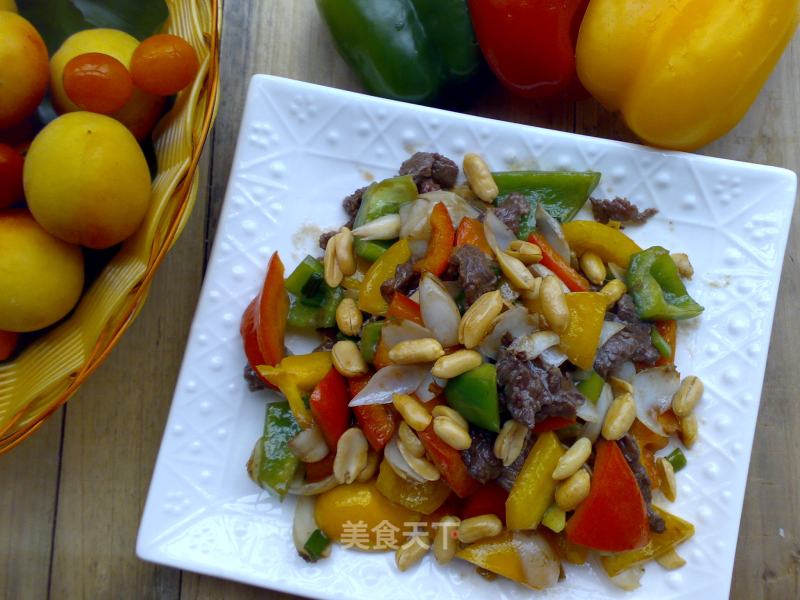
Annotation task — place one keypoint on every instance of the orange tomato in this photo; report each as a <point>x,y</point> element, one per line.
<point>97,82</point>
<point>8,342</point>
<point>11,163</point>
<point>164,64</point>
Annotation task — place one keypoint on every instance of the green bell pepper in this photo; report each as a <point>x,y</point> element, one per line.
<point>474,395</point>
<point>561,193</point>
<point>272,464</point>
<point>305,279</point>
<point>660,344</point>
<point>314,303</point>
<point>370,336</point>
<point>380,199</point>
<point>677,459</point>
<point>591,387</point>
<point>656,287</point>
<point>407,50</point>
<point>316,545</point>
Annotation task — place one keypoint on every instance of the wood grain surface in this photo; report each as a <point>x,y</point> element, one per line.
<point>71,497</point>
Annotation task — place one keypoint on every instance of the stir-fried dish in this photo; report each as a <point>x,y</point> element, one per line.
<point>495,380</point>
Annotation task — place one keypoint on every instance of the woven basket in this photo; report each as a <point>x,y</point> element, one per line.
<point>50,370</point>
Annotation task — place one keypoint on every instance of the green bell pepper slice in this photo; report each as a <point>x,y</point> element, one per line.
<point>316,545</point>
<point>304,280</point>
<point>657,289</point>
<point>561,193</point>
<point>408,50</point>
<point>305,313</point>
<point>370,336</point>
<point>380,199</point>
<point>474,395</point>
<point>591,387</point>
<point>272,464</point>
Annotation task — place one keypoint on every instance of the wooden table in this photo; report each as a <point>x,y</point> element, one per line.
<point>71,497</point>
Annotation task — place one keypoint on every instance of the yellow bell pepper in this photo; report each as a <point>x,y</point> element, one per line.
<point>566,550</point>
<point>369,298</point>
<point>676,532</point>
<point>287,384</point>
<point>587,311</point>
<point>497,555</point>
<point>307,369</point>
<point>355,514</point>
<point>608,243</point>
<point>421,497</point>
<point>681,72</point>
<point>535,487</point>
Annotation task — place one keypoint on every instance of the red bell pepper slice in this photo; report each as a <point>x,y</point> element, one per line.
<point>449,463</point>
<point>440,245</point>
<point>273,310</point>
<point>470,231</point>
<point>530,44</point>
<point>263,325</point>
<point>377,421</point>
<point>247,329</point>
<point>553,423</point>
<point>613,518</point>
<point>553,261</point>
<point>381,358</point>
<point>404,308</point>
<point>329,408</point>
<point>317,471</point>
<point>489,499</point>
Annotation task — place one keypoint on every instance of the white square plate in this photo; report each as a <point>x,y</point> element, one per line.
<point>301,149</point>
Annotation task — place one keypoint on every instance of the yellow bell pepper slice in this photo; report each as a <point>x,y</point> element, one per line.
<point>287,384</point>
<point>359,516</point>
<point>497,555</point>
<point>608,243</point>
<point>421,497</point>
<point>676,532</point>
<point>307,369</point>
<point>369,298</point>
<point>535,487</point>
<point>587,311</point>
<point>682,72</point>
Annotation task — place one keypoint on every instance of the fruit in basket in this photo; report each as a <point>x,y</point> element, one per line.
<point>8,343</point>
<point>23,69</point>
<point>41,277</point>
<point>11,163</point>
<point>86,180</point>
<point>141,112</point>
<point>164,64</point>
<point>97,82</point>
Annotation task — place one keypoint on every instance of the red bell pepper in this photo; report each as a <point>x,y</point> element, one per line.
<point>470,231</point>
<point>613,518</point>
<point>377,421</point>
<point>329,408</point>
<point>489,499</point>
<point>449,463</point>
<point>381,356</point>
<point>440,245</point>
<point>553,261</point>
<point>317,471</point>
<point>530,44</point>
<point>553,423</point>
<point>404,308</point>
<point>263,325</point>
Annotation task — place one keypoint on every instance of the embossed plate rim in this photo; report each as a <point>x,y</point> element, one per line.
<point>187,524</point>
